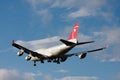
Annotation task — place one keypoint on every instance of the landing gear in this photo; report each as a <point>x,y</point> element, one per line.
<point>57,61</point>
<point>42,61</point>
<point>49,60</point>
<point>34,63</point>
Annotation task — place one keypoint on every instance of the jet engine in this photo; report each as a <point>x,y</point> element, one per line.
<point>82,55</point>
<point>20,53</point>
<point>27,58</point>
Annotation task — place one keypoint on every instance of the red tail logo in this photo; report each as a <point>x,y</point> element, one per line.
<point>74,33</point>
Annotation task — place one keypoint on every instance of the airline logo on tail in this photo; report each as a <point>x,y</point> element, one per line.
<point>73,35</point>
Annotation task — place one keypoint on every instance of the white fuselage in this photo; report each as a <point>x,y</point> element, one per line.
<point>55,51</point>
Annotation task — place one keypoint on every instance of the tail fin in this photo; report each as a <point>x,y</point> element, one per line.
<point>73,35</point>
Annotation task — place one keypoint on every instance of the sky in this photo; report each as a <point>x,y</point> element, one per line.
<point>41,23</point>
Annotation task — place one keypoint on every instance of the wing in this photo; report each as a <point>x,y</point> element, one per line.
<point>83,54</point>
<point>28,51</point>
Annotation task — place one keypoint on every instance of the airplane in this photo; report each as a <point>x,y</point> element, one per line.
<point>56,54</point>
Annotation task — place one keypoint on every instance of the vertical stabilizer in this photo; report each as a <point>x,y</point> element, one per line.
<point>73,35</point>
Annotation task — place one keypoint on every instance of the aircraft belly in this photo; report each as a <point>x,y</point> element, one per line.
<point>56,52</point>
<point>59,53</point>
<point>43,52</point>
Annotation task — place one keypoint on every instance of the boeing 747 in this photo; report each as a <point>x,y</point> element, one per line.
<point>56,54</point>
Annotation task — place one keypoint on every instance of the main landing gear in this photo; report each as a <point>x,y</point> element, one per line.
<point>34,63</point>
<point>57,61</point>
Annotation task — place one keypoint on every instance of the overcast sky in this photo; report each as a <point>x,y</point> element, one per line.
<point>41,23</point>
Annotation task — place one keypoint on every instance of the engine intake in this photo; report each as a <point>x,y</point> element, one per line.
<point>82,55</point>
<point>20,53</point>
<point>27,58</point>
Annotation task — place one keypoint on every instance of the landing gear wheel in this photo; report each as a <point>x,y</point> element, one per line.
<point>34,63</point>
<point>42,61</point>
<point>58,62</point>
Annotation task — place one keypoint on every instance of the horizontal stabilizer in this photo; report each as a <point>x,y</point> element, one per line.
<point>80,43</point>
<point>71,43</point>
<point>66,42</point>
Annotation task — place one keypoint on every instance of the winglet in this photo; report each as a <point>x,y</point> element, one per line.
<point>106,46</point>
<point>12,41</point>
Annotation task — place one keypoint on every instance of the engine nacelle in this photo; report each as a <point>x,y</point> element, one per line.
<point>82,55</point>
<point>20,53</point>
<point>27,58</point>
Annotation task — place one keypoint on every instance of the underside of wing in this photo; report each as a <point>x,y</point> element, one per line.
<point>23,49</point>
<point>83,54</point>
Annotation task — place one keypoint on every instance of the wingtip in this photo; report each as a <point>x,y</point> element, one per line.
<point>92,41</point>
<point>106,46</point>
<point>12,41</point>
